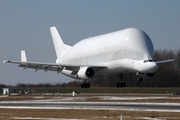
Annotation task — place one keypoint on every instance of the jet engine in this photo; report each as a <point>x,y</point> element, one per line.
<point>86,72</point>
<point>149,75</point>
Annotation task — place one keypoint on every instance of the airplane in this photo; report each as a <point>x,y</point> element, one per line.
<point>125,51</point>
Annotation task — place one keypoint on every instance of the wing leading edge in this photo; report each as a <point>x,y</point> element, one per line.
<point>164,61</point>
<point>57,67</point>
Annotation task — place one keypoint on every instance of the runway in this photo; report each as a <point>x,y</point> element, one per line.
<point>90,106</point>
<point>94,105</point>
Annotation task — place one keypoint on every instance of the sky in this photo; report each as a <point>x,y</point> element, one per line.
<point>24,25</point>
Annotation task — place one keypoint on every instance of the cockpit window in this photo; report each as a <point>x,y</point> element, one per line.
<point>149,61</point>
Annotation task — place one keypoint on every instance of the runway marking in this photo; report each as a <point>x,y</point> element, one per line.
<point>81,108</point>
<point>34,118</point>
<point>104,117</point>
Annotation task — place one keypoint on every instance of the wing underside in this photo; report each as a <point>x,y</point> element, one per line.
<point>54,66</point>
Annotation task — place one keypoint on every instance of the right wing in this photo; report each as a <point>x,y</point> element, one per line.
<point>38,65</point>
<point>57,67</point>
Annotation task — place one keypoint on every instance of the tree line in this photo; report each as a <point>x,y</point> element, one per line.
<point>167,75</point>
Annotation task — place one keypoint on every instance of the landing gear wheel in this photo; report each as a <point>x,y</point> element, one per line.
<point>82,85</point>
<point>88,85</point>
<point>85,85</point>
<point>122,84</point>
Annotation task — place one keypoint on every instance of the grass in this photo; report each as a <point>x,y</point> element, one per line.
<point>130,90</point>
<point>7,114</point>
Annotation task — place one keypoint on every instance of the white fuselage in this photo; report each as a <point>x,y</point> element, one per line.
<point>116,53</point>
<point>122,51</point>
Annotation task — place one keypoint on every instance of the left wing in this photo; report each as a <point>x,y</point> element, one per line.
<point>57,67</point>
<point>164,61</point>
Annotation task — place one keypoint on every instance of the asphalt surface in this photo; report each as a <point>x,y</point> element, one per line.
<point>93,105</point>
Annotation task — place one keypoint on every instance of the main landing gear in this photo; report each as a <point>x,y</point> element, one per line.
<point>121,83</point>
<point>85,85</point>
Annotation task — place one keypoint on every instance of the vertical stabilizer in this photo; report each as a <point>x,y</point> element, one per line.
<point>23,56</point>
<point>60,48</point>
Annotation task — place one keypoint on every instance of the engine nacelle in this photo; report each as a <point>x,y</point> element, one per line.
<point>149,75</point>
<point>86,72</point>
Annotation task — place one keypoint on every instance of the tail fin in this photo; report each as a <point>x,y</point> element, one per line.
<point>60,48</point>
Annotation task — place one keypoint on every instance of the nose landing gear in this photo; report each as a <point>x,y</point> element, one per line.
<point>121,83</point>
<point>140,79</point>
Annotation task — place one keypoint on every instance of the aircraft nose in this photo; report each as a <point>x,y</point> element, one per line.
<point>152,67</point>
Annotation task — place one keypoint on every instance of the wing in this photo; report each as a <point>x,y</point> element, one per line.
<point>57,67</point>
<point>37,65</point>
<point>164,61</point>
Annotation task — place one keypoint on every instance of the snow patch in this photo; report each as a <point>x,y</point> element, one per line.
<point>129,98</point>
<point>38,97</point>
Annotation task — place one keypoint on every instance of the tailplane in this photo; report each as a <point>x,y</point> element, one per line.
<point>60,48</point>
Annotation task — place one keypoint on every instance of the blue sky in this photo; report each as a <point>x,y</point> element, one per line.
<point>24,25</point>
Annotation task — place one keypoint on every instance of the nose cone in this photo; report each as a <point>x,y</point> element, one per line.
<point>151,67</point>
<point>147,67</point>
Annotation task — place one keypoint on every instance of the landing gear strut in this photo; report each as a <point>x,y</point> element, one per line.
<point>85,85</point>
<point>140,79</point>
<point>121,83</point>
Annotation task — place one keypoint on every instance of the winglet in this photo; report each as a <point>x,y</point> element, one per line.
<point>23,56</point>
<point>60,48</point>
<point>6,61</point>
